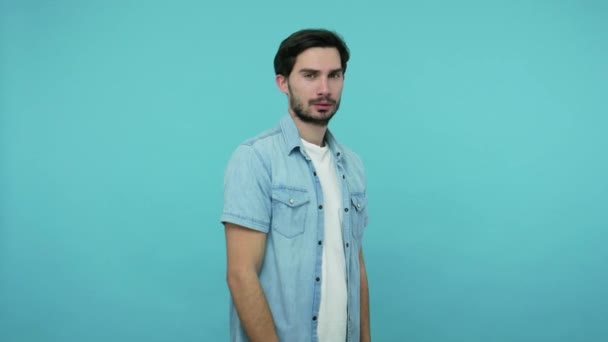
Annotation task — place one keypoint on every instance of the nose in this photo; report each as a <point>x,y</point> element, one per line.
<point>323,88</point>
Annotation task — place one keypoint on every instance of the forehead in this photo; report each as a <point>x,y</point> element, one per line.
<point>318,58</point>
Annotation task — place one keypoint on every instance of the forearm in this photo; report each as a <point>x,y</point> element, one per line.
<point>365,320</point>
<point>252,307</point>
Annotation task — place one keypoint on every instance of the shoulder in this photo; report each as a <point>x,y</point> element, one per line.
<point>256,150</point>
<point>262,139</point>
<point>351,157</point>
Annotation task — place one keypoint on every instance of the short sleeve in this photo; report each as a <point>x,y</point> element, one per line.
<point>247,200</point>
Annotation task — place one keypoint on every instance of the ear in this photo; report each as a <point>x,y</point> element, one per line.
<point>282,83</point>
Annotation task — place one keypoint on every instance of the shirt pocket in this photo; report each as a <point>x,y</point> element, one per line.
<point>359,211</point>
<point>289,211</point>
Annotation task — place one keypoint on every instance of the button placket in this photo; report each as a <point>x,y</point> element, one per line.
<point>319,197</point>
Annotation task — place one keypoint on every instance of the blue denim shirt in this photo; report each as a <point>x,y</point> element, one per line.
<point>270,185</point>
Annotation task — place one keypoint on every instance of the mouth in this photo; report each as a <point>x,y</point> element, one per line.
<point>323,105</point>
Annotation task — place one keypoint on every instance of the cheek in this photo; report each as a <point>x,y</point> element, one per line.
<point>337,85</point>
<point>337,91</point>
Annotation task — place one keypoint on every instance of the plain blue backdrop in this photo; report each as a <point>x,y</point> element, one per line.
<point>483,126</point>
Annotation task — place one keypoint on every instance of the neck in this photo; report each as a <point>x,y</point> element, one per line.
<point>314,134</point>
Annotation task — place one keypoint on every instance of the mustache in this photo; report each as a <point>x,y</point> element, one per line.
<point>326,99</point>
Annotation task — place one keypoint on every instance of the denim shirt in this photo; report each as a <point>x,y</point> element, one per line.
<point>270,185</point>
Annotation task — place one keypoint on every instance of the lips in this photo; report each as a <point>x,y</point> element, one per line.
<point>322,106</point>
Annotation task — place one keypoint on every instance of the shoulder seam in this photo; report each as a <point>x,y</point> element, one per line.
<point>252,141</point>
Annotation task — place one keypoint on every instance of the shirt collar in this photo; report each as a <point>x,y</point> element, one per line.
<point>292,138</point>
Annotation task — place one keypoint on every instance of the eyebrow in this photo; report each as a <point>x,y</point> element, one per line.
<point>314,71</point>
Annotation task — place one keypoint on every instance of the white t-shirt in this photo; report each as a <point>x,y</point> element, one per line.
<point>332,315</point>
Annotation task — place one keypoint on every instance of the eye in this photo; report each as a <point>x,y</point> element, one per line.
<point>309,75</point>
<point>336,75</point>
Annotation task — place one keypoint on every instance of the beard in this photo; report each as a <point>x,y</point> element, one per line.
<point>305,114</point>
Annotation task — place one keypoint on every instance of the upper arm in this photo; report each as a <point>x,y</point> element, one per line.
<point>246,212</point>
<point>247,190</point>
<point>245,249</point>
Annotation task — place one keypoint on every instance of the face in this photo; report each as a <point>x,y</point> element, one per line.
<point>314,86</point>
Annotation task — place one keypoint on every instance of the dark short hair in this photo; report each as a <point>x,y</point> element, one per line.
<point>301,40</point>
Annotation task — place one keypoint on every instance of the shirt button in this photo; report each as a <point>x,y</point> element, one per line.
<point>358,205</point>
<point>314,173</point>
<point>318,278</point>
<point>321,206</point>
<point>343,177</point>
<point>291,200</point>
<point>338,154</point>
<point>314,318</point>
<point>347,244</point>
<point>346,209</point>
<point>320,242</point>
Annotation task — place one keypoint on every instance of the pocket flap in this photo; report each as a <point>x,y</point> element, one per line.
<point>291,197</point>
<point>359,201</point>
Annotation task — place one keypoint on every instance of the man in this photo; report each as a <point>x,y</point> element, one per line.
<point>295,210</point>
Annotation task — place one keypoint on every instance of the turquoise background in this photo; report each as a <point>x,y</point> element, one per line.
<point>483,126</point>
